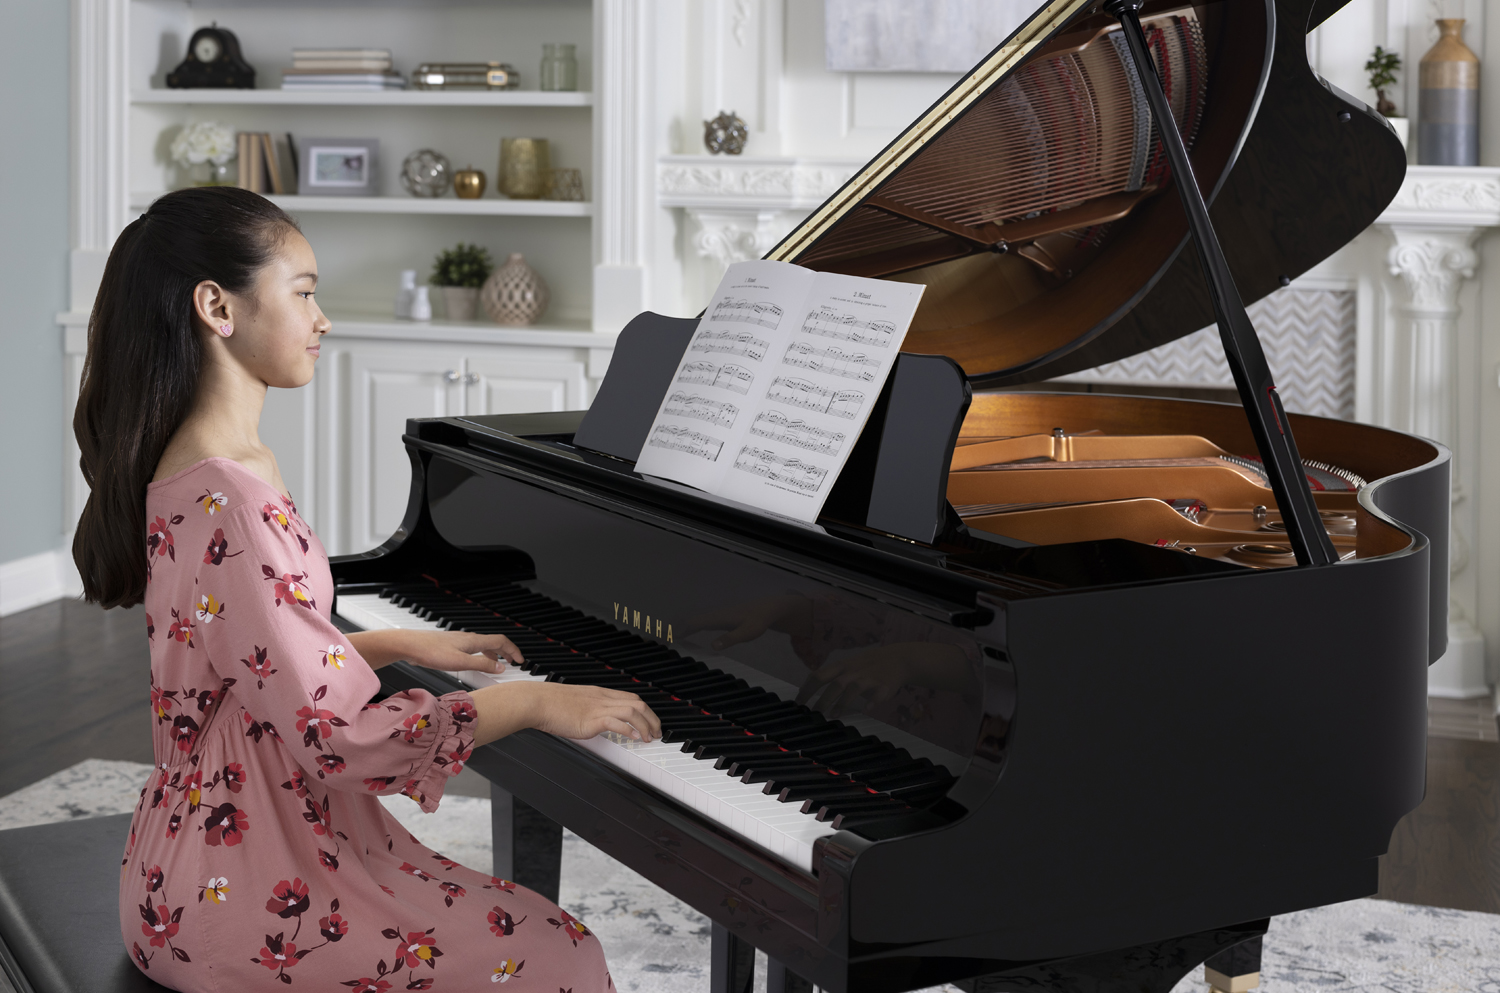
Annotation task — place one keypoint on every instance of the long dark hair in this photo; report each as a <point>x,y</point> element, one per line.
<point>145,350</point>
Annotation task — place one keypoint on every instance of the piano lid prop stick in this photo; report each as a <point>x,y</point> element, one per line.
<point>1247,361</point>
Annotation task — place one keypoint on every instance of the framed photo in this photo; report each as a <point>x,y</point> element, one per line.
<point>338,166</point>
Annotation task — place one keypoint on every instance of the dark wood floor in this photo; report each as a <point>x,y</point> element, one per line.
<point>76,687</point>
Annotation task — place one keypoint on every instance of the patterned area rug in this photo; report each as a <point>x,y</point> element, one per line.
<point>657,944</point>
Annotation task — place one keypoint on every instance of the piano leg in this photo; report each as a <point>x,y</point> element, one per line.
<point>780,979</point>
<point>731,963</point>
<point>1234,970</point>
<point>527,844</point>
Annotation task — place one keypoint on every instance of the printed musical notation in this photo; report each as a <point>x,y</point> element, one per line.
<point>795,431</point>
<point>832,360</point>
<point>692,405</point>
<point>686,440</point>
<point>779,468</point>
<point>741,343</point>
<point>829,323</point>
<point>810,396</point>
<point>767,315</point>
<point>726,377</point>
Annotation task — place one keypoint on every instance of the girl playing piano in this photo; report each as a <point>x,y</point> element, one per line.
<point>259,853</point>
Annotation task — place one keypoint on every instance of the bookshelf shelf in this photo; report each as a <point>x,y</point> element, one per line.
<point>410,205</point>
<point>360,98</point>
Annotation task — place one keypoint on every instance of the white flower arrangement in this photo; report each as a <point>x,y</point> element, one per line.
<point>204,141</point>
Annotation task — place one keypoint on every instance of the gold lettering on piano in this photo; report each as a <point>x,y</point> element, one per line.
<point>632,618</point>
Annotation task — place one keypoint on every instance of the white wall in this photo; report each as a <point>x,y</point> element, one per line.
<point>33,272</point>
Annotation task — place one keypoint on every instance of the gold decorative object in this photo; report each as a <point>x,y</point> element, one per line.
<point>468,184</point>
<point>465,76</point>
<point>523,167</point>
<point>515,293</point>
<point>725,134</point>
<point>564,184</point>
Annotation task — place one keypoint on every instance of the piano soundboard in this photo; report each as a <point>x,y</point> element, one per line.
<point>770,771</point>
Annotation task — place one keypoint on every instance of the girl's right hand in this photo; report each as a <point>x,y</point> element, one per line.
<point>573,711</point>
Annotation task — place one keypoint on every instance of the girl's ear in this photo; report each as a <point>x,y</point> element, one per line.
<point>211,306</point>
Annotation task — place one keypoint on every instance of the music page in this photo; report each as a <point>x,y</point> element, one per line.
<point>777,383</point>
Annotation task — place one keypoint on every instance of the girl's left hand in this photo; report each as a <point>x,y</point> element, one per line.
<point>450,651</point>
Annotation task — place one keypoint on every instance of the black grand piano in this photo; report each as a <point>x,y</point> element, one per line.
<point>1062,691</point>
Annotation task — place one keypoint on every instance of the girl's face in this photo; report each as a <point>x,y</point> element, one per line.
<point>276,337</point>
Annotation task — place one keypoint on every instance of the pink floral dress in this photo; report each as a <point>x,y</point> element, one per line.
<point>259,855</point>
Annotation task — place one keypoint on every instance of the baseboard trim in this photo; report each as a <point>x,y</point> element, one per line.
<point>37,579</point>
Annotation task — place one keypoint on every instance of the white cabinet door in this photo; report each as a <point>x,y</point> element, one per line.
<point>498,384</point>
<point>388,384</point>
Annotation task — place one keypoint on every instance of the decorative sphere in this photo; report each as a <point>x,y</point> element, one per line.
<point>426,173</point>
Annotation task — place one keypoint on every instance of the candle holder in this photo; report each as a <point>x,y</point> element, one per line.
<point>524,163</point>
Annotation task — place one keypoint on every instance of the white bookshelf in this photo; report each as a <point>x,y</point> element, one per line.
<point>449,205</point>
<point>358,98</point>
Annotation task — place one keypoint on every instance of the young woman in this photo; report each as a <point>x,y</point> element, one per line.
<point>259,854</point>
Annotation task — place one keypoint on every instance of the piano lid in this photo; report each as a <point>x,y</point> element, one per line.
<point>1035,200</point>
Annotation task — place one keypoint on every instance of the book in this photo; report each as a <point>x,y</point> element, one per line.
<point>341,53</point>
<point>273,167</point>
<point>242,160</point>
<point>776,384</point>
<point>341,65</point>
<point>344,80</point>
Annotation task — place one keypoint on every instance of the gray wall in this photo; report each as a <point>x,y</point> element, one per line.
<point>34,242</point>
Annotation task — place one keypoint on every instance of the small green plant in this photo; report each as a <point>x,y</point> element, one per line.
<point>462,265</point>
<point>1382,68</point>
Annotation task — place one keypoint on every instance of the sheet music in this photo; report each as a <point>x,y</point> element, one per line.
<point>777,383</point>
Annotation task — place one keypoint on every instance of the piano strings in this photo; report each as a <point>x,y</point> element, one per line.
<point>792,471</point>
<point>687,441</point>
<point>832,360</point>
<point>795,431</point>
<point>691,405</point>
<point>728,376</point>
<point>810,396</point>
<point>741,343</point>
<point>829,323</point>
<point>767,315</point>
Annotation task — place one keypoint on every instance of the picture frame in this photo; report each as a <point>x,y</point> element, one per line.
<point>338,166</point>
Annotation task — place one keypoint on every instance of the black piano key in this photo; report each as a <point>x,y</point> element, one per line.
<point>810,740</point>
<point>800,794</point>
<point>763,772</point>
<point>872,804</point>
<point>668,668</point>
<point>728,750</point>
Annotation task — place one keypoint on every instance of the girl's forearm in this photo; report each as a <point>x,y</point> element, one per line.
<point>375,647</point>
<point>503,709</point>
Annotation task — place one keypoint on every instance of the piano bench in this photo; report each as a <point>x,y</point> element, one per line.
<point>59,909</point>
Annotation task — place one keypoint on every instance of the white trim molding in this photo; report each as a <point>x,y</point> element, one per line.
<point>1426,378</point>
<point>747,183</point>
<point>38,579</point>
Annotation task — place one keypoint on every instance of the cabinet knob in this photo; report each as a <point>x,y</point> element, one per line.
<point>451,376</point>
<point>471,379</point>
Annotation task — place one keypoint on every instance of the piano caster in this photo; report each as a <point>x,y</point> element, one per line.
<point>527,844</point>
<point>1234,970</point>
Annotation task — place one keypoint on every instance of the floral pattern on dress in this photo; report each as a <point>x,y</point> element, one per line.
<point>259,852</point>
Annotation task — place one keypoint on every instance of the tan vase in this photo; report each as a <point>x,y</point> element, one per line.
<point>515,293</point>
<point>1448,100</point>
<point>459,302</point>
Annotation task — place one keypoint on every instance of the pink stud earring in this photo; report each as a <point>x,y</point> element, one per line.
<point>226,329</point>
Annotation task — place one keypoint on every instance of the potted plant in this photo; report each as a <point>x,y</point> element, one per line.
<point>461,271</point>
<point>1382,68</point>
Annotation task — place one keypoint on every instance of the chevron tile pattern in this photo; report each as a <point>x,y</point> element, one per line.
<point>1308,336</point>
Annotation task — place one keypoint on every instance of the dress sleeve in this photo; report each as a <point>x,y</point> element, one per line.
<point>301,683</point>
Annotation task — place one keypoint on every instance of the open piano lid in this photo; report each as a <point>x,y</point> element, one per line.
<point>1035,200</point>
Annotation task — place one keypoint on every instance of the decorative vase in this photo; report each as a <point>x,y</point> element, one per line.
<point>421,305</point>
<point>468,184</point>
<point>523,167</point>
<point>515,293</point>
<point>1448,103</point>
<point>460,302</point>
<point>210,174</point>
<point>559,68</point>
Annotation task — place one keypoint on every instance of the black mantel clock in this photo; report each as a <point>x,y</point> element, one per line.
<point>213,61</point>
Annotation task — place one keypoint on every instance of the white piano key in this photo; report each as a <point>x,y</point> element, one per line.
<point>741,808</point>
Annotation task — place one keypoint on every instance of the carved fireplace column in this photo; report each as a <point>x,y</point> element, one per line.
<point>1421,388</point>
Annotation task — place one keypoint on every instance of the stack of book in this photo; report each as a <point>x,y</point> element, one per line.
<point>341,69</point>
<point>260,169</point>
